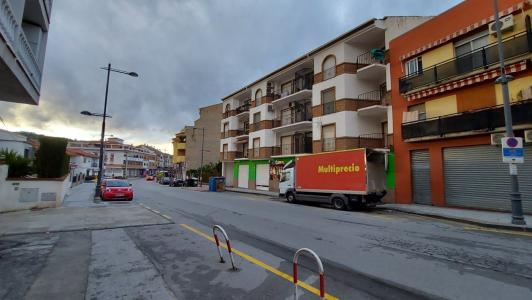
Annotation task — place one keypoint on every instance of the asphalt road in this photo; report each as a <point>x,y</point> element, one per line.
<point>366,255</point>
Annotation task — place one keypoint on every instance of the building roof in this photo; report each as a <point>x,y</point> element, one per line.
<point>79,152</point>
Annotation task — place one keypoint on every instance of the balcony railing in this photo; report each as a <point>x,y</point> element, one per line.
<point>482,58</point>
<point>366,59</point>
<point>296,147</point>
<point>371,140</point>
<point>371,96</point>
<point>299,83</point>
<point>483,120</point>
<point>243,131</point>
<point>17,41</point>
<point>241,154</point>
<point>244,107</point>
<point>295,116</point>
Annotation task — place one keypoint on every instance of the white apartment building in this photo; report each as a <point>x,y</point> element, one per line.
<point>121,160</point>
<point>24,28</point>
<point>334,97</point>
<point>82,164</point>
<point>18,143</point>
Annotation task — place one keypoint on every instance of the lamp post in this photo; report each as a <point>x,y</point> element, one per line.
<point>202,144</point>
<point>104,116</point>
<point>515,196</point>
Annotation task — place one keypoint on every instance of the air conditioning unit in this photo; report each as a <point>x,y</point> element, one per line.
<point>496,138</point>
<point>507,23</point>
<point>270,108</point>
<point>528,136</point>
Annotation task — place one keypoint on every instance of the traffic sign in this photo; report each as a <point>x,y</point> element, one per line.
<point>512,150</point>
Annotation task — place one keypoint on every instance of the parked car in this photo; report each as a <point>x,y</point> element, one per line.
<point>150,178</point>
<point>177,182</point>
<point>117,189</point>
<point>165,181</point>
<point>191,182</point>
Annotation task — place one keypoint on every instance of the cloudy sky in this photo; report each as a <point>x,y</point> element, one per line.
<point>188,54</point>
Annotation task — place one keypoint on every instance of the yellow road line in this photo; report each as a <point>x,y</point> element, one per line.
<point>521,233</point>
<point>261,264</point>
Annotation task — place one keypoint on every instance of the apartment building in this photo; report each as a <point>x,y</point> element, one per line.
<point>179,144</point>
<point>24,28</point>
<point>333,98</point>
<point>120,159</point>
<point>82,163</point>
<point>447,108</point>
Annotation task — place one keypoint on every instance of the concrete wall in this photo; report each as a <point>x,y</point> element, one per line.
<point>21,194</point>
<point>210,119</point>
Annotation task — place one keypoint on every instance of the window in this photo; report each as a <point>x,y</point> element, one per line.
<point>420,109</point>
<point>225,151</point>
<point>286,89</point>
<point>329,67</point>
<point>258,97</point>
<point>226,129</point>
<point>256,147</point>
<point>286,145</point>
<point>327,98</point>
<point>468,58</point>
<point>328,134</point>
<point>256,121</point>
<point>413,66</point>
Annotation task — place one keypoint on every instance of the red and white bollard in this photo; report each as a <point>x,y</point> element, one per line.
<point>219,228</point>
<point>320,267</point>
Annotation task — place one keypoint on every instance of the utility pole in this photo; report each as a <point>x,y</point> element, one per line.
<point>515,195</point>
<point>100,171</point>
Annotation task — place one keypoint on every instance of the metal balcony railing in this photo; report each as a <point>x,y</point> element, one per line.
<point>483,120</point>
<point>243,131</point>
<point>295,116</point>
<point>244,107</point>
<point>371,140</point>
<point>482,58</point>
<point>296,147</point>
<point>241,154</point>
<point>371,96</point>
<point>366,59</point>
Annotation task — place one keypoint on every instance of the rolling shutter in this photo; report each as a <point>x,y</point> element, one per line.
<point>263,177</point>
<point>475,176</point>
<point>243,175</point>
<point>421,190</point>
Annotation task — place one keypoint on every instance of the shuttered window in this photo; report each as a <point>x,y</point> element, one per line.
<point>328,133</point>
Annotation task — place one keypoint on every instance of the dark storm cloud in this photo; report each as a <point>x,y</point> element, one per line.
<point>188,54</point>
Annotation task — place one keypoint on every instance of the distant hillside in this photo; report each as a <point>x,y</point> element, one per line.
<point>33,135</point>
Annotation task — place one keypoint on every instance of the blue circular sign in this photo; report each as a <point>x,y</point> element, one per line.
<point>511,142</point>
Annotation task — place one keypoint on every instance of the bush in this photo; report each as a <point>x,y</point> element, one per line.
<point>51,159</point>
<point>209,170</point>
<point>18,165</point>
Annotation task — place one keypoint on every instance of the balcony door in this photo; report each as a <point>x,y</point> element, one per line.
<point>286,145</point>
<point>469,54</point>
<point>328,133</point>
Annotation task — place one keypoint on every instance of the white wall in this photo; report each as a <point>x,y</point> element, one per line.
<point>33,192</point>
<point>348,124</point>
<point>267,138</point>
<point>336,50</point>
<point>346,86</point>
<point>264,113</point>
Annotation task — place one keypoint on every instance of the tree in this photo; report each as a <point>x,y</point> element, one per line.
<point>51,158</point>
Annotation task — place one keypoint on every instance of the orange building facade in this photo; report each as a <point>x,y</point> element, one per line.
<point>447,109</point>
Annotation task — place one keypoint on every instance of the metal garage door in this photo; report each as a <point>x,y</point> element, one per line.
<point>243,175</point>
<point>228,174</point>
<point>475,176</point>
<point>263,177</point>
<point>421,191</point>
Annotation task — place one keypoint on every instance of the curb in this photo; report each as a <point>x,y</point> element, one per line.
<point>251,192</point>
<point>465,220</point>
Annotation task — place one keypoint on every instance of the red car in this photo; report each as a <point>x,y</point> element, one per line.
<point>116,189</point>
<point>150,178</point>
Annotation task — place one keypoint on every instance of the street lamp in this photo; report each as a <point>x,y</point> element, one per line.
<point>515,196</point>
<point>104,116</point>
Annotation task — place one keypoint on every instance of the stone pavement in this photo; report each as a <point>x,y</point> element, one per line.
<point>483,218</point>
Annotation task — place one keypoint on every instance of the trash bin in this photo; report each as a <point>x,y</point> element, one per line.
<point>212,184</point>
<point>220,184</point>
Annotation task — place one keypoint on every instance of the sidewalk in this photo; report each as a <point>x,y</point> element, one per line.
<point>82,196</point>
<point>484,218</point>
<point>256,192</point>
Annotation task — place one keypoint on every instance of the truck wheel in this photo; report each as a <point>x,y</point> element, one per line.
<point>339,203</point>
<point>290,198</point>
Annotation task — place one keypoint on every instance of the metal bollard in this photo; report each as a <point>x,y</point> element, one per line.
<point>320,266</point>
<point>219,228</point>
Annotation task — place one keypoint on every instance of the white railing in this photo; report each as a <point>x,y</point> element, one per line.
<point>16,40</point>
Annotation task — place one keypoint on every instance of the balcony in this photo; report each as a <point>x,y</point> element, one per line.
<point>294,119</point>
<point>370,68</point>
<point>480,59</point>
<point>244,108</point>
<point>372,104</point>
<point>467,123</point>
<point>370,140</point>
<point>241,154</point>
<point>300,88</point>
<point>298,146</point>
